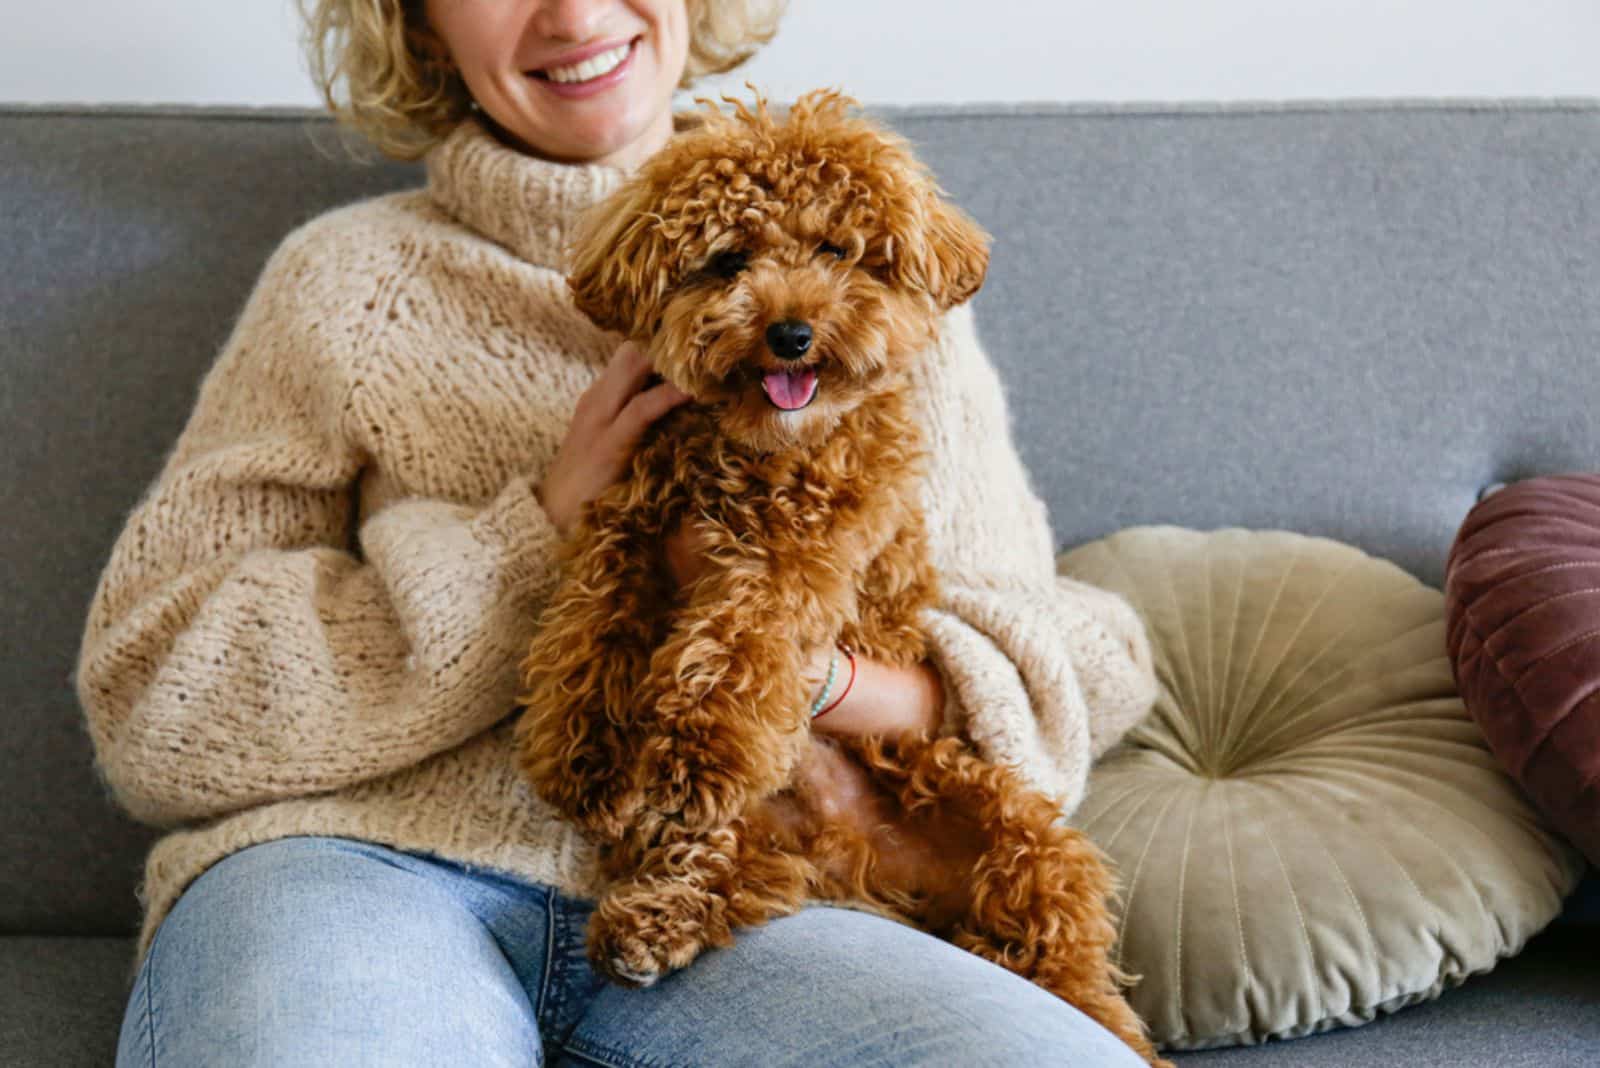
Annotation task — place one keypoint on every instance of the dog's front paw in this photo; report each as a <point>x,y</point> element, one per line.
<point>641,932</point>
<point>697,794</point>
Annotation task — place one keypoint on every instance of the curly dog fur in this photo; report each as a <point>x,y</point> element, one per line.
<point>670,724</point>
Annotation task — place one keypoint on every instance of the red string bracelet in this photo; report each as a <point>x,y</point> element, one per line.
<point>837,701</point>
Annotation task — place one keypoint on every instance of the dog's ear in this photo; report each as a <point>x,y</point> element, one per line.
<point>619,263</point>
<point>941,251</point>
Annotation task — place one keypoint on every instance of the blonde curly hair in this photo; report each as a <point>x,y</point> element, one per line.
<point>382,70</point>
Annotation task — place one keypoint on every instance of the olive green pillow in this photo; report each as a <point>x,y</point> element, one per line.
<point>1309,828</point>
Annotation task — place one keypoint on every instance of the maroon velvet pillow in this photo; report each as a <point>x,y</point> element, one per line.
<point>1522,599</point>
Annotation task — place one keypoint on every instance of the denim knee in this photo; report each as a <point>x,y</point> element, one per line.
<point>322,951</point>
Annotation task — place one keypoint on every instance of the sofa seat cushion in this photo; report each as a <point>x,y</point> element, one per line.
<point>1536,1010</point>
<point>1522,591</point>
<point>61,999</point>
<point>1309,829</point>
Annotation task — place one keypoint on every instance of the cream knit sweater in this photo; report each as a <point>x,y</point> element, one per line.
<point>312,621</point>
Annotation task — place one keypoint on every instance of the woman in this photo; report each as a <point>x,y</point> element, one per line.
<point>302,654</point>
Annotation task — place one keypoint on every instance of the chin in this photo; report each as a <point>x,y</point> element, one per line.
<point>755,422</point>
<point>608,130</point>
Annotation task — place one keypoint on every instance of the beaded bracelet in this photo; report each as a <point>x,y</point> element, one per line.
<point>837,701</point>
<point>827,686</point>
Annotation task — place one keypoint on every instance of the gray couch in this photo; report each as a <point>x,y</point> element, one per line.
<point>1344,320</point>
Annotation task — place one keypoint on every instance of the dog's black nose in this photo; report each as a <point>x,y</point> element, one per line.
<point>789,339</point>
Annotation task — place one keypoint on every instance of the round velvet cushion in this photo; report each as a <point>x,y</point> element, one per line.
<point>1522,592</point>
<point>1309,828</point>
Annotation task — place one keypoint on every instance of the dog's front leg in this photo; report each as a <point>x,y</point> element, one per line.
<point>893,590</point>
<point>578,737</point>
<point>728,701</point>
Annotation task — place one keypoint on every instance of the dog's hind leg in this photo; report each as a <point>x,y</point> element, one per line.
<point>1039,909</point>
<point>1037,900</point>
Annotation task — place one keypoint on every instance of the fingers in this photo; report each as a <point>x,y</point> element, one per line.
<point>622,379</point>
<point>611,416</point>
<point>645,408</point>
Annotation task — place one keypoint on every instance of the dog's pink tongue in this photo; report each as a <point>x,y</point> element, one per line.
<point>790,390</point>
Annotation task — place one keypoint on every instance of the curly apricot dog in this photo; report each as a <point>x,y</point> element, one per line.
<point>785,273</point>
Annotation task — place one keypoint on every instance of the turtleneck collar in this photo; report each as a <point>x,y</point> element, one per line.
<point>527,204</point>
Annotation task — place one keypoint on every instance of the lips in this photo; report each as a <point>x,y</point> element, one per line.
<point>586,64</point>
<point>790,390</point>
<point>592,68</point>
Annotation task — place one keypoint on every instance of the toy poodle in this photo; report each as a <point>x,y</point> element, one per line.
<point>785,271</point>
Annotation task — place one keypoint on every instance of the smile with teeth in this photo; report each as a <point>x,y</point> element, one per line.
<point>589,69</point>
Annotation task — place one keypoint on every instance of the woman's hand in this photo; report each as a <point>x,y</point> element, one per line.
<point>610,417</point>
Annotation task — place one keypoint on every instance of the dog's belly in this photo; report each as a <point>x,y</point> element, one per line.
<point>865,846</point>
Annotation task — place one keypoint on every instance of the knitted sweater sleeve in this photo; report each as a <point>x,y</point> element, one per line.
<point>1040,672</point>
<point>245,642</point>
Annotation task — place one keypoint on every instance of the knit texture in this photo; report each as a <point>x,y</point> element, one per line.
<point>312,621</point>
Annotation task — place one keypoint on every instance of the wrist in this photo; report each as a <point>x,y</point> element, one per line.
<point>823,693</point>
<point>556,515</point>
<point>888,700</point>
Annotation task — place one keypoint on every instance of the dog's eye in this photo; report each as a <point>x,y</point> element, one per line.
<point>829,249</point>
<point>728,264</point>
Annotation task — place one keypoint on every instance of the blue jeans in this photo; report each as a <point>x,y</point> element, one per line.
<point>324,951</point>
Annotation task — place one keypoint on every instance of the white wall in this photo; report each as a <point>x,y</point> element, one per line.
<point>245,51</point>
